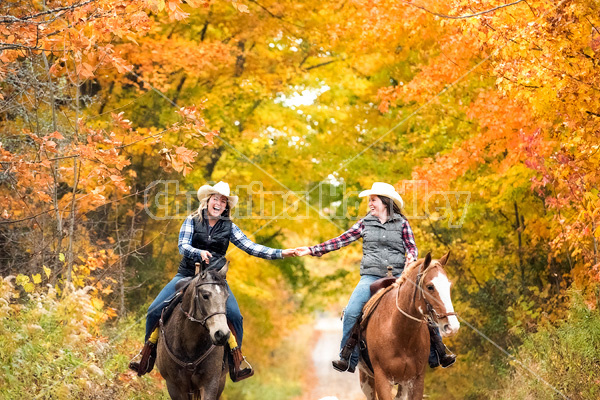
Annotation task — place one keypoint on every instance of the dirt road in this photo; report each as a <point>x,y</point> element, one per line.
<point>331,384</point>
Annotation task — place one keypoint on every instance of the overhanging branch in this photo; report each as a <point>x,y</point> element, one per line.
<point>461,16</point>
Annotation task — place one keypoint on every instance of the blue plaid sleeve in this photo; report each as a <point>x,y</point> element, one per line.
<point>242,242</point>
<point>185,240</point>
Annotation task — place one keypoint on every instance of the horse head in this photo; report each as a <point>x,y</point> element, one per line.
<point>435,287</point>
<point>208,303</point>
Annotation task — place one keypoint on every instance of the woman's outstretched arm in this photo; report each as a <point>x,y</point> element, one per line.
<point>241,241</point>
<point>351,235</point>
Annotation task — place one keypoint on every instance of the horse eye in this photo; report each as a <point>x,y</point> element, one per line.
<point>205,296</point>
<point>431,288</point>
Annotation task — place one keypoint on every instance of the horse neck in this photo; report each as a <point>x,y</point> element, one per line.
<point>409,300</point>
<point>192,336</point>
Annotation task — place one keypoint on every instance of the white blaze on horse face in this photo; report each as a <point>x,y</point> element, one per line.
<point>217,323</point>
<point>442,285</point>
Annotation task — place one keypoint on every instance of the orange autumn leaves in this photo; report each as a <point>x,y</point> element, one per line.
<point>533,70</point>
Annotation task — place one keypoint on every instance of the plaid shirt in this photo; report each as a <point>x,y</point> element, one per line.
<point>237,237</point>
<point>355,233</point>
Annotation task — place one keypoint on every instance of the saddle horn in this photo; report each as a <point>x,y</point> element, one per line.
<point>200,270</point>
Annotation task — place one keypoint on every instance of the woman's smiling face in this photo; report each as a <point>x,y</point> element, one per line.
<point>376,207</point>
<point>216,205</point>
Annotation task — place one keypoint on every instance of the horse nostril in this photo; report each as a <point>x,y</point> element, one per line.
<point>447,328</point>
<point>221,337</point>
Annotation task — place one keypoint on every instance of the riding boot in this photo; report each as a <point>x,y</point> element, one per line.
<point>437,354</point>
<point>236,373</point>
<point>343,364</point>
<point>146,360</point>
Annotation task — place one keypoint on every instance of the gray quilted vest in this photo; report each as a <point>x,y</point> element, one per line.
<point>383,245</point>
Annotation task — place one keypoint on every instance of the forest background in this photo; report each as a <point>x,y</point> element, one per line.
<point>485,115</point>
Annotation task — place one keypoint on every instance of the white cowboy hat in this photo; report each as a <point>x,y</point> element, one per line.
<point>384,189</point>
<point>221,188</point>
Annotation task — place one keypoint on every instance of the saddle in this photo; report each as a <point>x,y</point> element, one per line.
<point>174,300</point>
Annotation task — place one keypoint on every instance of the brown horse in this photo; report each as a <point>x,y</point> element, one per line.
<point>397,336</point>
<point>190,352</point>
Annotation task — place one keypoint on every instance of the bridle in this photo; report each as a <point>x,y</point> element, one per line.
<point>196,304</point>
<point>431,316</point>
<point>192,366</point>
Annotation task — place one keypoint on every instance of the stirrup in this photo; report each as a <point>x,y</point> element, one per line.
<point>243,373</point>
<point>236,372</point>
<point>448,355</point>
<point>450,358</point>
<point>146,359</point>
<point>343,365</point>
<point>240,374</point>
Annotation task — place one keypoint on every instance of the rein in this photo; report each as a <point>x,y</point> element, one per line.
<point>431,313</point>
<point>191,365</point>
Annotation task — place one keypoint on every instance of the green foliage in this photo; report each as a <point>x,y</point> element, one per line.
<point>562,357</point>
<point>49,349</point>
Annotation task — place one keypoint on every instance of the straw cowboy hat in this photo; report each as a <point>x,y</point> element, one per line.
<point>384,189</point>
<point>221,188</point>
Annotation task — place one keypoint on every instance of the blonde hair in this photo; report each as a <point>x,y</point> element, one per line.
<point>204,205</point>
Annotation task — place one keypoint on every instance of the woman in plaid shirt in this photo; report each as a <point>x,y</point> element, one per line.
<point>388,240</point>
<point>204,237</point>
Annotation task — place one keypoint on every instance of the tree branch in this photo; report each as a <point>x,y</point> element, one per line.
<point>461,16</point>
<point>320,65</point>
<point>10,19</point>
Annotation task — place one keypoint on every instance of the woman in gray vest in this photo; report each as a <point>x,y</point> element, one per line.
<point>204,237</point>
<point>388,240</point>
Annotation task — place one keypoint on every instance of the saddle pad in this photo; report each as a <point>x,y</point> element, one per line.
<point>372,305</point>
<point>181,286</point>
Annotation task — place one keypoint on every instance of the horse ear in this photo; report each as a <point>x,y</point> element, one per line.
<point>223,271</point>
<point>444,259</point>
<point>427,260</point>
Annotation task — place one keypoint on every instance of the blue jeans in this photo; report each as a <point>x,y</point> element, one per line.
<point>358,299</point>
<point>234,315</point>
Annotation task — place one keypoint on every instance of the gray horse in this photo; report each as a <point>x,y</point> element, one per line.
<point>190,353</point>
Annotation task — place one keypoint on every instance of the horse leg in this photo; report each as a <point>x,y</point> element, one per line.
<point>410,390</point>
<point>175,392</point>
<point>367,385</point>
<point>212,390</point>
<point>418,388</point>
<point>383,387</point>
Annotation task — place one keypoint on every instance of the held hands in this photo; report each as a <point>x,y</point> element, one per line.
<point>297,252</point>
<point>288,253</point>
<point>302,251</point>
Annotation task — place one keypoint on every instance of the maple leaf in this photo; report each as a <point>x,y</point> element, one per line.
<point>85,70</point>
<point>185,155</point>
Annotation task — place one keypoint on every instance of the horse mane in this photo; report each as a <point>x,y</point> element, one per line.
<point>415,265</point>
